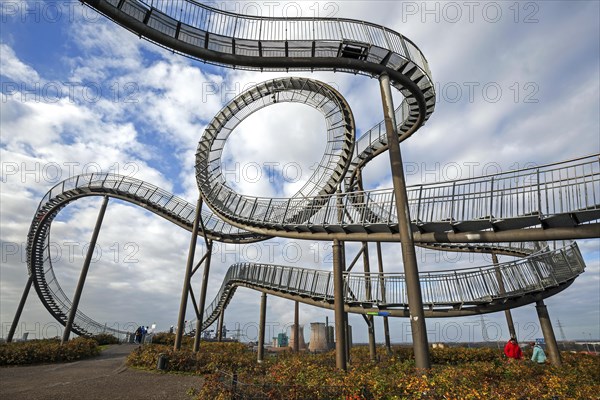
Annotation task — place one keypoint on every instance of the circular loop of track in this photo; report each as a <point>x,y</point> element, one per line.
<point>322,97</point>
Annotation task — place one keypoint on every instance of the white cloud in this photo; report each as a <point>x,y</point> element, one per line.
<point>13,68</point>
<point>154,106</point>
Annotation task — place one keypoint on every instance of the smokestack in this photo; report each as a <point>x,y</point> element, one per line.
<point>318,337</point>
<point>301,342</point>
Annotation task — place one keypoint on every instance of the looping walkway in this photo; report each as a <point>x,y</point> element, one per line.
<point>561,200</point>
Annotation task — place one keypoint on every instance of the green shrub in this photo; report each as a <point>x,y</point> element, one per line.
<point>47,351</point>
<point>105,338</point>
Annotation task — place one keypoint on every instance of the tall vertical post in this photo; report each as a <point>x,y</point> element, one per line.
<point>338,304</point>
<point>386,324</point>
<point>202,300</point>
<point>84,271</point>
<point>548,332</point>
<point>296,343</point>
<point>502,290</point>
<point>188,276</point>
<point>370,321</point>
<point>220,325</point>
<point>19,311</point>
<point>411,271</point>
<point>261,328</point>
<point>346,322</point>
<point>368,292</point>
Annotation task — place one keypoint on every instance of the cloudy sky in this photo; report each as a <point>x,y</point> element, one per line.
<point>518,85</point>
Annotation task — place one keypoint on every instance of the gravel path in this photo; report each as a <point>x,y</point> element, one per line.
<point>102,378</point>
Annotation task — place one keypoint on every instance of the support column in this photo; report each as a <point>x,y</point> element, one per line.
<point>202,300</point>
<point>296,344</point>
<point>84,271</point>
<point>13,327</point>
<point>370,321</point>
<point>220,325</point>
<point>346,322</point>
<point>386,324</point>
<point>502,290</point>
<point>548,331</point>
<point>188,276</point>
<point>338,304</point>
<point>261,328</point>
<point>411,271</point>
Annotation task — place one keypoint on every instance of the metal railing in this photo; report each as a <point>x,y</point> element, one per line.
<point>529,194</point>
<point>440,289</point>
<point>322,97</point>
<point>225,32</point>
<point>140,192</point>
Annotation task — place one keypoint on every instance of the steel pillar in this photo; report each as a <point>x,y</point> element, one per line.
<point>220,325</point>
<point>84,271</point>
<point>296,344</point>
<point>411,271</point>
<point>338,301</point>
<point>188,276</point>
<point>370,319</point>
<point>15,322</point>
<point>386,324</point>
<point>548,332</point>
<point>202,300</point>
<point>502,290</point>
<point>261,328</point>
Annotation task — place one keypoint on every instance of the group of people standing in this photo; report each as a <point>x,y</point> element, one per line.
<point>513,351</point>
<point>140,334</point>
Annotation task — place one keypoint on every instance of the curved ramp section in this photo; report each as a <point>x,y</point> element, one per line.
<point>557,195</point>
<point>318,95</point>
<point>445,293</point>
<point>135,191</point>
<point>284,44</point>
<point>552,196</point>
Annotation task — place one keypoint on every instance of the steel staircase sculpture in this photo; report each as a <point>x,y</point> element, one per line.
<point>181,213</point>
<point>553,196</point>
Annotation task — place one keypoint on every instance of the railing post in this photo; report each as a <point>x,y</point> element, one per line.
<point>491,198</point>
<point>368,294</point>
<point>19,311</point>
<point>548,331</point>
<point>296,343</point>
<point>386,325</point>
<point>202,300</point>
<point>411,270</point>
<point>338,301</point>
<point>188,276</point>
<point>84,271</point>
<point>261,328</point>
<point>502,290</point>
<point>539,192</point>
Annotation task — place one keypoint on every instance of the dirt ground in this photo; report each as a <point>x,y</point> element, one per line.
<point>102,378</point>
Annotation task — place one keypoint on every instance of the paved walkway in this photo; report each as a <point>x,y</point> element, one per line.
<point>102,378</point>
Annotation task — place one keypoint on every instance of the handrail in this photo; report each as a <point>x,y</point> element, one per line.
<point>228,39</point>
<point>506,195</point>
<point>387,291</point>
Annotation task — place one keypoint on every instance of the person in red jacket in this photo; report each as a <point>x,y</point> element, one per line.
<point>512,349</point>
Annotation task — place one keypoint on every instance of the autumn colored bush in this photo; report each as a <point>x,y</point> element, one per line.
<point>47,351</point>
<point>104,338</point>
<point>231,371</point>
<point>211,357</point>
<point>168,339</point>
<point>457,373</point>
